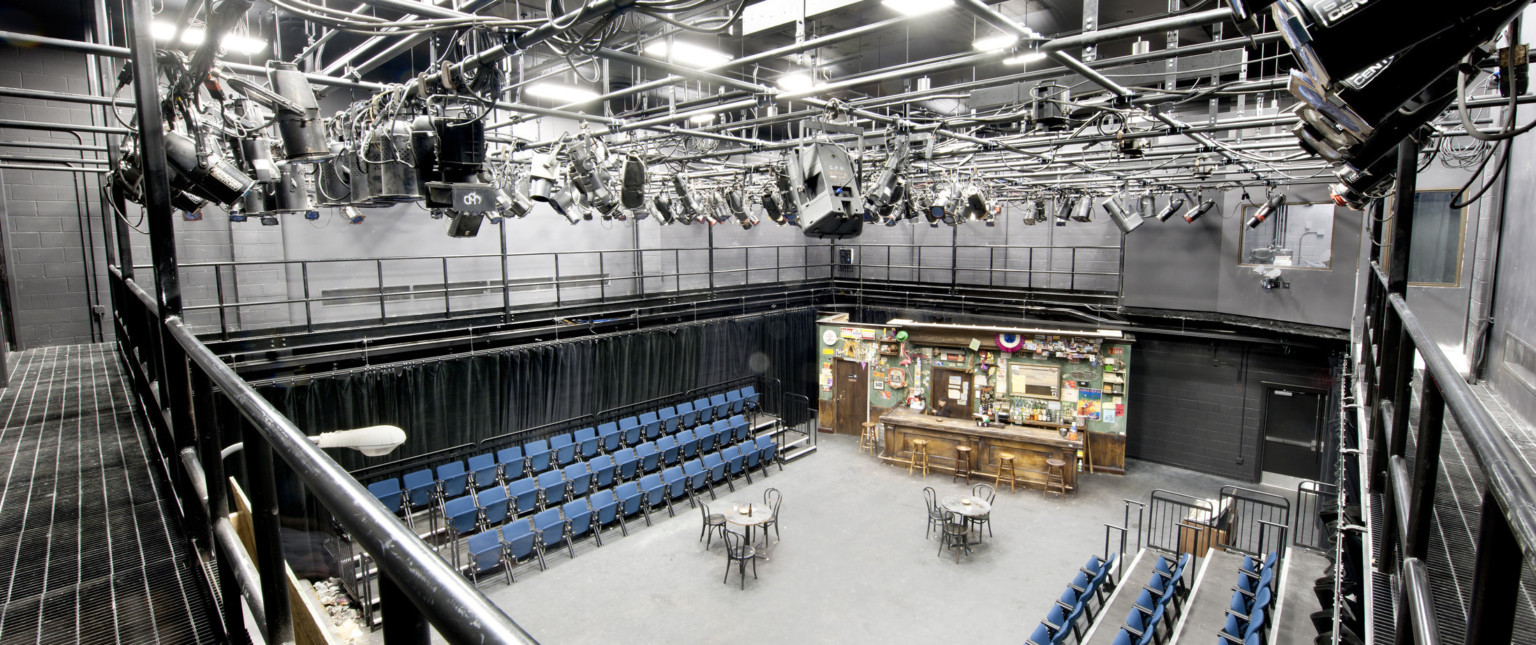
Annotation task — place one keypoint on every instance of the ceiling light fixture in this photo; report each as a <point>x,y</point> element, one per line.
<point>995,43</point>
<point>702,119</point>
<point>563,93</point>
<point>796,82</point>
<point>918,7</point>
<point>689,54</point>
<point>1024,59</point>
<point>194,36</point>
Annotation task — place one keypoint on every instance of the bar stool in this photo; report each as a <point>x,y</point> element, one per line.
<point>962,463</point>
<point>919,457</point>
<point>1055,477</point>
<point>867,440</point>
<point>1005,471</point>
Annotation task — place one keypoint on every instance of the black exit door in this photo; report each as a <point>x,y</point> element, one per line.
<point>1293,430</point>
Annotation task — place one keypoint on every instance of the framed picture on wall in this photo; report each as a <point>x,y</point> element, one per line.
<point>1036,381</point>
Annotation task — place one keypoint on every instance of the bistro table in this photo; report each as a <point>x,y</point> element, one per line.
<point>968,506</point>
<point>751,516</point>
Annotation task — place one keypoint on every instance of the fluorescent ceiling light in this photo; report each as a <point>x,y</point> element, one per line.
<point>994,43</point>
<point>689,54</point>
<point>558,92</point>
<point>1024,59</point>
<point>918,7</point>
<point>796,82</point>
<point>707,117</point>
<point>194,36</point>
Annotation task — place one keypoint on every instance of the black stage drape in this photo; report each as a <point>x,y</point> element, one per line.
<point>463,399</point>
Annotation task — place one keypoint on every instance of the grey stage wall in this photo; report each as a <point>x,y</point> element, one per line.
<point>458,400</point>
<point>1199,404</point>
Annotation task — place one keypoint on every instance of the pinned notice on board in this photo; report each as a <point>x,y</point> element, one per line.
<point>975,345</point>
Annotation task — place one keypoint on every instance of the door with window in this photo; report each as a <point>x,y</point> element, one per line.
<point>952,393</point>
<point>1293,430</point>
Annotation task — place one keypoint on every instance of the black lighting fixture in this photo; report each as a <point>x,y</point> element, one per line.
<point>662,202</point>
<point>205,173</point>
<point>1270,207</point>
<point>1064,208</point>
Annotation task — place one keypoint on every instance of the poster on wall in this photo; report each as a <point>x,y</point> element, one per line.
<point>1088,401</point>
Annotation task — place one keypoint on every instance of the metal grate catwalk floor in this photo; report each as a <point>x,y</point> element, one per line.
<point>89,552</point>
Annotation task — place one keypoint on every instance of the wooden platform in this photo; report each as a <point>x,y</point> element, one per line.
<point>1030,446</point>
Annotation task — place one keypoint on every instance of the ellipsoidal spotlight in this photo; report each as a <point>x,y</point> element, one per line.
<point>1173,207</point>
<point>542,178</point>
<point>1082,211</point>
<point>1197,210</point>
<point>1275,203</point>
<point>1064,209</point>
<point>663,205</point>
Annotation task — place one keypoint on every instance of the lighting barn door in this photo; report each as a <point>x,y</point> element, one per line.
<point>850,399</point>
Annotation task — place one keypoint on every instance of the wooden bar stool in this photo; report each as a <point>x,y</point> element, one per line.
<point>867,440</point>
<point>919,457</point>
<point>1055,477</point>
<point>1005,471</point>
<point>962,463</point>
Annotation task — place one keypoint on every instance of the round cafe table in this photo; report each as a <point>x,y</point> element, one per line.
<point>760,513</point>
<point>966,505</point>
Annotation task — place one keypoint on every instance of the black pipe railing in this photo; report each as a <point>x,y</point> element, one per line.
<point>417,586</point>
<point>1391,339</point>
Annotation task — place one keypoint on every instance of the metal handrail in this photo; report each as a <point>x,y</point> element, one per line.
<point>1513,487</point>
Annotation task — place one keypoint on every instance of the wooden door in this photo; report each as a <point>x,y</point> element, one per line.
<point>850,397</point>
<point>943,383</point>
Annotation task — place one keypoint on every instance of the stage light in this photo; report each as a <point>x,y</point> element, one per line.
<point>918,7</point>
<point>211,177</point>
<point>826,191</point>
<point>995,43</point>
<point>561,93</point>
<point>389,168</point>
<point>589,176</point>
<point>1197,210</point>
<point>513,202</point>
<point>1146,206</point>
<point>564,203</point>
<point>1082,211</point>
<point>1064,209</point>
<point>738,208</point>
<point>881,193</point>
<point>1124,221</point>
<point>770,203</point>
<point>663,205</point>
<point>450,152</point>
<point>1173,207</point>
<point>298,115</point>
<point>689,54</point>
<point>1047,105</point>
<point>541,177</point>
<point>786,196</point>
<point>687,205</point>
<point>632,193</point>
<point>1275,203</point>
<point>353,214</point>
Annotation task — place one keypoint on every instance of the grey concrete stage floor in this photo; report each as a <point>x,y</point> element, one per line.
<point>853,566</point>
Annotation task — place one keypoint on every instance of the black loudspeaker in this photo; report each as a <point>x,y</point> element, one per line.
<point>633,194</point>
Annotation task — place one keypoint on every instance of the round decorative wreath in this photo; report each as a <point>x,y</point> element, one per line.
<point>1010,342</point>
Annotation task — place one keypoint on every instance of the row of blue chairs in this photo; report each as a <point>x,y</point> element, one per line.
<point>495,505</point>
<point>420,489</point>
<point>1093,581</point>
<point>1252,599</point>
<point>1151,611</point>
<point>534,457</point>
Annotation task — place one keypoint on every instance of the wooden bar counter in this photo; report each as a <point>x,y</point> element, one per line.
<point>1030,446</point>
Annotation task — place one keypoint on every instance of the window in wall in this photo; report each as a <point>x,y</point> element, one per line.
<point>1434,256</point>
<point>1300,235</point>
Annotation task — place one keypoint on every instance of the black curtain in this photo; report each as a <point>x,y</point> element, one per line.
<point>463,399</point>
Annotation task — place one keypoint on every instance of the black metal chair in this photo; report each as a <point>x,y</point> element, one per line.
<point>713,522</point>
<point>956,535</point>
<point>738,551</point>
<point>986,492</point>
<point>935,513</point>
<point>773,498</point>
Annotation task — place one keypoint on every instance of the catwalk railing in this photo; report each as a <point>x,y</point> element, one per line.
<point>383,290</point>
<point>1507,534</point>
<point>196,406</point>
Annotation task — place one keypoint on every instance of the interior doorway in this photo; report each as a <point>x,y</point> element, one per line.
<point>1293,430</point>
<point>952,393</point>
<point>850,397</point>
